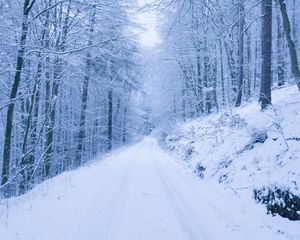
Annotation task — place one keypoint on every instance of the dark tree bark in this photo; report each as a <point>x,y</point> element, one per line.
<point>294,23</point>
<point>84,98</point>
<point>206,80</point>
<point>95,135</point>
<point>52,116</point>
<point>184,103</point>
<point>249,69</point>
<point>290,42</point>
<point>57,75</point>
<point>34,128</point>
<point>199,82</point>
<point>214,84</point>
<point>222,73</point>
<point>240,55</point>
<point>229,54</point>
<point>231,66</point>
<point>14,90</point>
<point>280,48</point>
<point>30,135</point>
<point>266,74</point>
<point>110,121</point>
<point>255,77</point>
<point>26,160</point>
<point>124,134</point>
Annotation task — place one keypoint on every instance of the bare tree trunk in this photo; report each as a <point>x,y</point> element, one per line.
<point>255,65</point>
<point>95,135</point>
<point>34,127</point>
<point>28,152</point>
<point>124,134</point>
<point>27,161</point>
<point>231,66</point>
<point>214,84</point>
<point>84,98</point>
<point>249,64</point>
<point>266,74</point>
<point>290,42</point>
<point>17,79</point>
<point>47,110</point>
<point>183,103</point>
<point>206,83</point>
<point>199,82</point>
<point>280,47</point>
<point>240,55</point>
<point>222,73</point>
<point>110,121</point>
<point>294,24</point>
<point>57,75</point>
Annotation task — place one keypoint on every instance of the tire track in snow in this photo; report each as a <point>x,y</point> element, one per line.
<point>113,208</point>
<point>188,219</point>
<point>202,200</point>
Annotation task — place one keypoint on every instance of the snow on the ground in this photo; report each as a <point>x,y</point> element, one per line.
<point>139,193</point>
<point>218,145</point>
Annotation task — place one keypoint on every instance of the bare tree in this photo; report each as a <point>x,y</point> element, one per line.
<point>291,42</point>
<point>266,74</point>
<point>14,90</point>
<point>240,55</point>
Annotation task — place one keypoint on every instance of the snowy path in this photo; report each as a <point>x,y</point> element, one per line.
<point>137,194</point>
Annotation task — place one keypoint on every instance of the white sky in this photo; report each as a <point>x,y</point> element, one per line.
<point>149,36</point>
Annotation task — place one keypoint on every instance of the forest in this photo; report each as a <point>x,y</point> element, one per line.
<point>218,55</point>
<point>66,82</point>
<point>76,81</point>
<point>149,119</point>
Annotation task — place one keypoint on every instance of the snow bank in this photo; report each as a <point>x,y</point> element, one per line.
<point>243,148</point>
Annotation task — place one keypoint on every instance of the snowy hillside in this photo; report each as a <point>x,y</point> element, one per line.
<point>245,149</point>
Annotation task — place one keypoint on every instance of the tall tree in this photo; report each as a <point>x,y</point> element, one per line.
<point>84,97</point>
<point>61,31</point>
<point>291,42</point>
<point>280,48</point>
<point>240,54</point>
<point>266,41</point>
<point>14,90</point>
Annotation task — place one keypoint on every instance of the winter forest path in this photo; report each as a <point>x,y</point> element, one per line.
<point>138,193</point>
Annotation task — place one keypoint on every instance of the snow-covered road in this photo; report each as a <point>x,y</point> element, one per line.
<point>138,193</point>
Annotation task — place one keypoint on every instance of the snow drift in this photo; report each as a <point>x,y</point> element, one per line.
<point>249,151</point>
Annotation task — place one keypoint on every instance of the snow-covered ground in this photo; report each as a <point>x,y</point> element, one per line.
<point>139,193</point>
<point>220,149</point>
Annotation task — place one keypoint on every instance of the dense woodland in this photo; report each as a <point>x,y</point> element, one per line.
<point>69,69</point>
<point>217,55</point>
